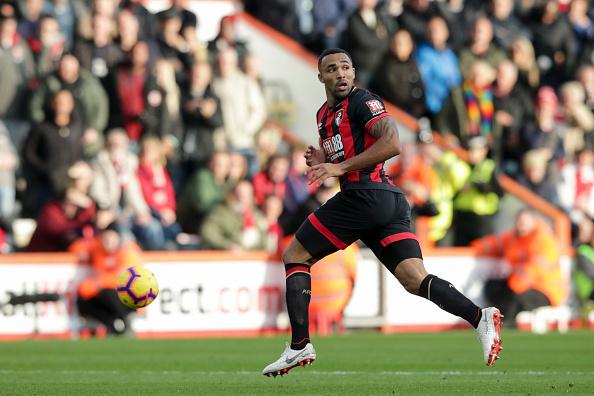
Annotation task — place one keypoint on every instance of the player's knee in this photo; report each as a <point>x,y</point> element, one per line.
<point>411,285</point>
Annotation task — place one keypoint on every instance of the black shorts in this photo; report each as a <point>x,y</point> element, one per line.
<point>380,218</point>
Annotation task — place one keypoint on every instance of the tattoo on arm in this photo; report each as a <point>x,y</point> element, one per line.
<point>385,127</point>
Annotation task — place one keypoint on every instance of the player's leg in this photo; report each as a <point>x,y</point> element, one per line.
<point>297,261</point>
<point>398,249</point>
<point>328,229</point>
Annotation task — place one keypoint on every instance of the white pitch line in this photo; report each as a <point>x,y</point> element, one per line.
<point>309,372</point>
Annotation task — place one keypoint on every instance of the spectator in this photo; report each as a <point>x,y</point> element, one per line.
<point>62,221</point>
<point>118,193</point>
<point>438,65</point>
<point>506,25</point>
<point>173,46</point>
<point>146,20</point>
<point>272,180</point>
<point>332,283</point>
<point>205,189</point>
<point>47,46</point>
<point>298,188</point>
<point>236,225</point>
<point>31,13</point>
<point>545,132</point>
<point>84,87</point>
<point>366,38</point>
<point>66,13</point>
<point>188,18</point>
<point>238,168</point>
<point>512,107</point>
<point>129,32</point>
<point>522,54</point>
<point>329,22</point>
<point>537,178</point>
<point>415,17</point>
<point>554,44</point>
<point>18,68</point>
<point>469,111</point>
<point>398,79</point>
<point>477,202</point>
<point>583,277</point>
<point>188,29</point>
<point>481,46</point>
<point>135,96</point>
<point>170,125</point>
<point>107,256</point>
<point>290,221</point>
<point>575,186</point>
<point>415,175</point>
<point>578,118</point>
<point>99,54</point>
<point>201,112</point>
<point>243,107</point>
<point>157,188</point>
<point>532,252</point>
<point>585,76</point>
<point>51,148</point>
<point>272,208</point>
<point>8,164</point>
<point>227,39</point>
<point>581,23</point>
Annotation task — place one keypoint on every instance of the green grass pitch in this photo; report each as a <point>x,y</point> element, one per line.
<point>354,364</point>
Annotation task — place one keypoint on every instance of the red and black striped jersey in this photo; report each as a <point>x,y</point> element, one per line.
<point>344,133</point>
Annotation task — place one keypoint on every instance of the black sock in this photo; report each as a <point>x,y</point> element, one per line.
<point>298,296</point>
<point>448,298</point>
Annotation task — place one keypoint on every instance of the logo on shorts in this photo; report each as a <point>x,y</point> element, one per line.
<point>338,117</point>
<point>375,106</point>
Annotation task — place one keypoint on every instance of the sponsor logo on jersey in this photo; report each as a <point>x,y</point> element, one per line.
<point>375,106</point>
<point>333,147</point>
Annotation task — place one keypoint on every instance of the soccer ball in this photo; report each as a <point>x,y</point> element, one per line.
<point>137,287</point>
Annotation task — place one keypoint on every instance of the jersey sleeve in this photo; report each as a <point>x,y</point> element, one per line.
<point>369,109</point>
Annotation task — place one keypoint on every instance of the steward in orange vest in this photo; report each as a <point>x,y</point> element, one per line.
<point>107,256</point>
<point>532,252</point>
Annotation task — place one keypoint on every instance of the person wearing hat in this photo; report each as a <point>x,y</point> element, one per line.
<point>476,204</point>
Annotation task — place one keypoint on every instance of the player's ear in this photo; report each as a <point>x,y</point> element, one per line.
<point>354,72</point>
<point>320,78</point>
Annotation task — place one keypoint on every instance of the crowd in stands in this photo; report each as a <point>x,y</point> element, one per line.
<point>110,112</point>
<point>516,77</point>
<point>114,116</point>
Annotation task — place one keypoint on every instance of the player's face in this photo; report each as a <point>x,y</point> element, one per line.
<point>337,74</point>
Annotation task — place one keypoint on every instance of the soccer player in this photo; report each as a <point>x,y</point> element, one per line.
<point>356,136</point>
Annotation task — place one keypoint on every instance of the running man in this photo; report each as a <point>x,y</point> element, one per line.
<point>356,136</point>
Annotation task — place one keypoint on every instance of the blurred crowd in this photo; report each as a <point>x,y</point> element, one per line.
<point>112,115</point>
<point>511,81</point>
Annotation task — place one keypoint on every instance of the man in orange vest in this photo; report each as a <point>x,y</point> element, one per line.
<point>107,256</point>
<point>532,252</point>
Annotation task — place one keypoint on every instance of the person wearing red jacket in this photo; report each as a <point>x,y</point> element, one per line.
<point>64,220</point>
<point>157,187</point>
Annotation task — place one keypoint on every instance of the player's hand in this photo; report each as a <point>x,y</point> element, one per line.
<point>321,172</point>
<point>314,156</point>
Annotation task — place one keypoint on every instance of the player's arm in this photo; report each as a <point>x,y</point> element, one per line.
<point>386,147</point>
<point>314,155</point>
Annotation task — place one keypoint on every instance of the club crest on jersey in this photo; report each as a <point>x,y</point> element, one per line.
<point>338,117</point>
<point>375,106</point>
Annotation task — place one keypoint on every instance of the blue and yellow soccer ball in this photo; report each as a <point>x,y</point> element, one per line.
<point>137,287</point>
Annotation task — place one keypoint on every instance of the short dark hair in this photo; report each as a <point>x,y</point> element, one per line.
<point>330,51</point>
